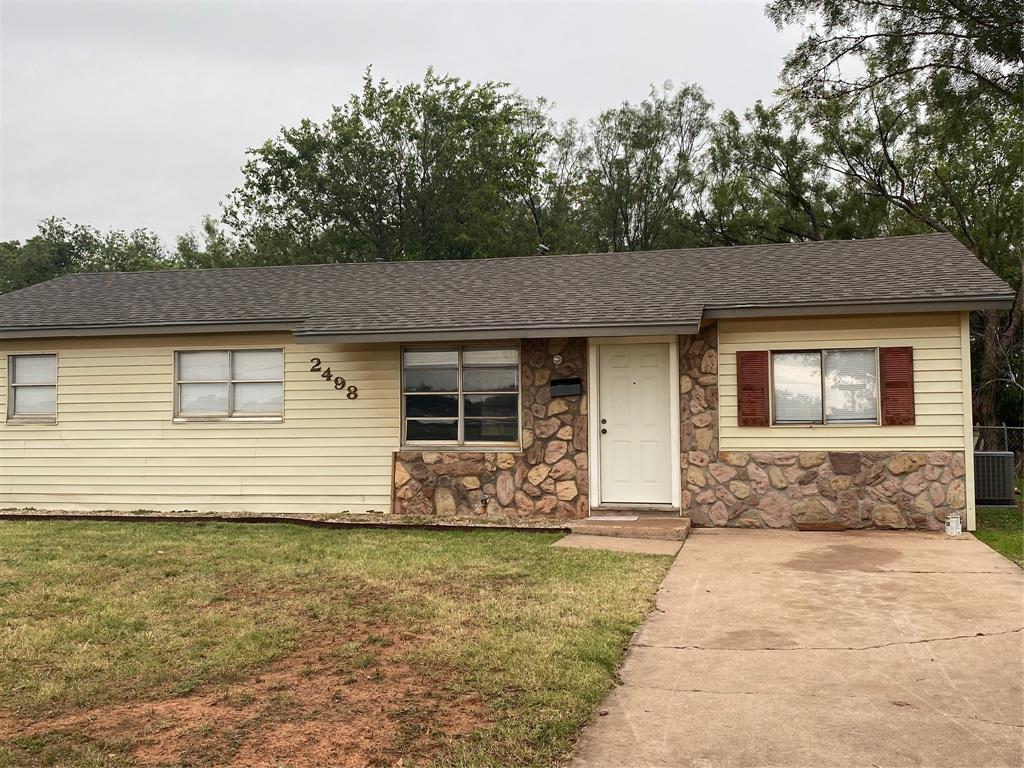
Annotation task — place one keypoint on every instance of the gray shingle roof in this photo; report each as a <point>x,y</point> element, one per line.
<point>672,288</point>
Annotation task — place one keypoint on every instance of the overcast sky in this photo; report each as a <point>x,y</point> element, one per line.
<point>128,114</point>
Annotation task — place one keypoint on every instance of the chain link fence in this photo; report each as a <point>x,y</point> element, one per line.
<point>1002,438</point>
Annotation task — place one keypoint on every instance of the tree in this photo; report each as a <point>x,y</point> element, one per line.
<point>437,169</point>
<point>644,161</point>
<point>555,202</point>
<point>217,249</point>
<point>764,180</point>
<point>932,128</point>
<point>966,47</point>
<point>61,248</point>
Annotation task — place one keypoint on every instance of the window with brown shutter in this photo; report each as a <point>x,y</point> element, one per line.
<point>752,382</point>
<point>896,372</point>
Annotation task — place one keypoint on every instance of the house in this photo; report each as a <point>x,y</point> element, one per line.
<point>812,384</point>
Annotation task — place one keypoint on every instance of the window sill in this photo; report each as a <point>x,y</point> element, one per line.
<point>818,425</point>
<point>456,448</point>
<point>15,421</point>
<point>227,419</point>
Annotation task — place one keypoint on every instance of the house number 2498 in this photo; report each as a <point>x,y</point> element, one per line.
<point>351,391</point>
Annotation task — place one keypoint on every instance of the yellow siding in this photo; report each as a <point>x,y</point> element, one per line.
<point>968,423</point>
<point>115,445</point>
<point>938,381</point>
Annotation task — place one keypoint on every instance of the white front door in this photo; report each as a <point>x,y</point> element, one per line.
<point>635,423</point>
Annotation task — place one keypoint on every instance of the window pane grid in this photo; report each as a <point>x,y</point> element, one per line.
<point>34,370</point>
<point>35,400</point>
<point>257,365</point>
<point>422,369</point>
<point>32,386</point>
<point>829,386</point>
<point>257,398</point>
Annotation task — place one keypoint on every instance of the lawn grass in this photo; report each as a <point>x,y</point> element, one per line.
<point>498,631</point>
<point>1002,528</point>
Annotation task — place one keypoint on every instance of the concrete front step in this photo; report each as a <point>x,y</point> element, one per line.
<point>668,529</point>
<point>619,544</point>
<point>642,510</point>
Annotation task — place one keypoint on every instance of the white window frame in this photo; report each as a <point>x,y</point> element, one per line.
<point>12,417</point>
<point>460,442</point>
<point>180,418</point>
<point>824,413</point>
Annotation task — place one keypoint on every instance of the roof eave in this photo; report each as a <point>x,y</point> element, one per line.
<point>484,334</point>
<point>149,329</point>
<point>860,308</point>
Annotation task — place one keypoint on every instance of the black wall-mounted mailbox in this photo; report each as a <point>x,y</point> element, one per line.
<point>566,387</point>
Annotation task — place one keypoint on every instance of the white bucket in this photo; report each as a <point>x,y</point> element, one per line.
<point>953,526</point>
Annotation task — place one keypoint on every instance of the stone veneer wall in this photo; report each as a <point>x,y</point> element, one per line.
<point>548,478</point>
<point>800,489</point>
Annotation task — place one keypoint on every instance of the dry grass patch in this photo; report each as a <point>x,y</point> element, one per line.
<point>220,645</point>
<point>345,701</point>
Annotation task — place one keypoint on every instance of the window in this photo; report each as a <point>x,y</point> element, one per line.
<point>832,386</point>
<point>222,384</point>
<point>32,392</point>
<point>461,395</point>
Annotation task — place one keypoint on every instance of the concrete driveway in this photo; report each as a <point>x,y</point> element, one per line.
<point>773,648</point>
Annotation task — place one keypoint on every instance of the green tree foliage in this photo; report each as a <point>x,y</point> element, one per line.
<point>212,248</point>
<point>60,248</point>
<point>431,170</point>
<point>555,202</point>
<point>765,179</point>
<point>666,173</point>
<point>644,160</point>
<point>972,48</point>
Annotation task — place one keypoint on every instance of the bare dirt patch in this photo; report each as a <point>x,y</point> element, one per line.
<point>342,700</point>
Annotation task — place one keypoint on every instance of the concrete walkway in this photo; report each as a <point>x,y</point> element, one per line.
<point>773,648</point>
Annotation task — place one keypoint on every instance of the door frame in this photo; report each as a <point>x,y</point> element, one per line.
<point>594,416</point>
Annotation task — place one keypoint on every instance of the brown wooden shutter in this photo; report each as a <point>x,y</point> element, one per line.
<point>896,373</point>
<point>752,383</point>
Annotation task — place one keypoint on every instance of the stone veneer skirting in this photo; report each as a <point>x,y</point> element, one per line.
<point>547,478</point>
<point>825,489</point>
<point>806,488</point>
